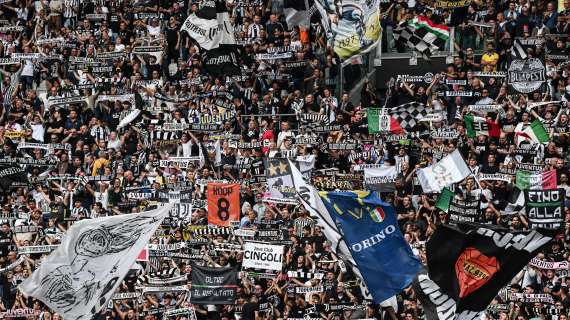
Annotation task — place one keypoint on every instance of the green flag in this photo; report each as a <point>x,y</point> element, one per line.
<point>374,120</point>
<point>444,199</point>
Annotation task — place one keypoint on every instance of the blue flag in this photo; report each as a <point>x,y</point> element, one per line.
<point>378,247</point>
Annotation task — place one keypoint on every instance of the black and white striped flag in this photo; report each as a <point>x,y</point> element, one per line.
<point>518,51</point>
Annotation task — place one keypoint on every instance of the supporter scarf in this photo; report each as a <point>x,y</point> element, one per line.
<point>126,296</point>
<point>37,249</point>
<point>12,265</point>
<point>495,74</point>
<point>305,275</point>
<point>485,108</point>
<point>155,51</point>
<point>122,97</point>
<point>161,289</point>
<point>444,134</point>
<point>549,265</point>
<point>530,297</point>
<point>23,56</point>
<point>19,313</point>
<point>303,290</point>
<point>11,29</point>
<point>66,100</point>
<point>273,56</point>
<point>182,311</point>
<point>494,177</point>
<point>9,61</point>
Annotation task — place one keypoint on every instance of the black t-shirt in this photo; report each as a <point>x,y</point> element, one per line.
<point>5,243</point>
<point>248,311</point>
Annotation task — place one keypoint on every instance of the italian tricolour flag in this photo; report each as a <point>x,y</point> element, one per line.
<point>536,180</point>
<point>534,133</point>
<point>440,30</point>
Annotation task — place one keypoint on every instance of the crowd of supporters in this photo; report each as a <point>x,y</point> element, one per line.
<point>85,160</point>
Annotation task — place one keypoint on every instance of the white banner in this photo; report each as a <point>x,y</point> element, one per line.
<point>81,275</point>
<point>263,256</point>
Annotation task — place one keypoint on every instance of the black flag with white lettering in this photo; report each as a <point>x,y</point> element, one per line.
<point>222,61</point>
<point>436,304</point>
<point>12,176</point>
<point>213,285</point>
<point>545,208</point>
<point>471,263</point>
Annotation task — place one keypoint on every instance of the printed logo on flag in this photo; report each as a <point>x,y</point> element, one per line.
<point>378,215</point>
<point>223,203</point>
<point>473,270</point>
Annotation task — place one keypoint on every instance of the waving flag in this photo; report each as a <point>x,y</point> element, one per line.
<point>536,181</point>
<point>378,247</point>
<point>408,114</point>
<point>210,26</point>
<point>535,133</point>
<point>422,35</point>
<point>449,170</point>
<point>472,264</point>
<point>379,122</point>
<point>80,276</point>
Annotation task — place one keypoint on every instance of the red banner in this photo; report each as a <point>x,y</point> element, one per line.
<point>223,203</point>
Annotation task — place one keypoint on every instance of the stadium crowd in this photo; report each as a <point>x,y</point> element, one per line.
<point>87,159</point>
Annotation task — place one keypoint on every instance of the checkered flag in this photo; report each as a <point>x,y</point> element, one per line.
<point>408,114</point>
<point>420,40</point>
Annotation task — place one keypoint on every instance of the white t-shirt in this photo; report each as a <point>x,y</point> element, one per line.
<point>38,132</point>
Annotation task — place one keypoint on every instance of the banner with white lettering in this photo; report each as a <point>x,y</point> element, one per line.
<point>213,285</point>
<point>545,208</point>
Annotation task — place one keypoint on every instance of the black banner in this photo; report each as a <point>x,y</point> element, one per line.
<point>10,175</point>
<point>544,208</point>
<point>222,61</point>
<point>213,285</point>
<point>463,211</point>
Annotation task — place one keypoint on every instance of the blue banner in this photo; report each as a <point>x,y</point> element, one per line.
<point>371,230</point>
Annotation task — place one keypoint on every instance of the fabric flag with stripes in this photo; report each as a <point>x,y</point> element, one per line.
<point>297,13</point>
<point>378,122</point>
<point>475,126</point>
<point>526,180</point>
<point>449,170</point>
<point>422,35</point>
<point>518,50</point>
<point>408,114</point>
<point>535,133</point>
<point>80,276</point>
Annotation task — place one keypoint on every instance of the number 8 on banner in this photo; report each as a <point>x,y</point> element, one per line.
<point>223,203</point>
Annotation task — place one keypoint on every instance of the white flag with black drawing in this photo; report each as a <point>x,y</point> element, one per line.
<point>449,170</point>
<point>81,275</point>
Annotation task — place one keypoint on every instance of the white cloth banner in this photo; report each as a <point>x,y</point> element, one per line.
<point>381,179</point>
<point>449,170</point>
<point>210,33</point>
<point>81,275</point>
<point>262,256</point>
